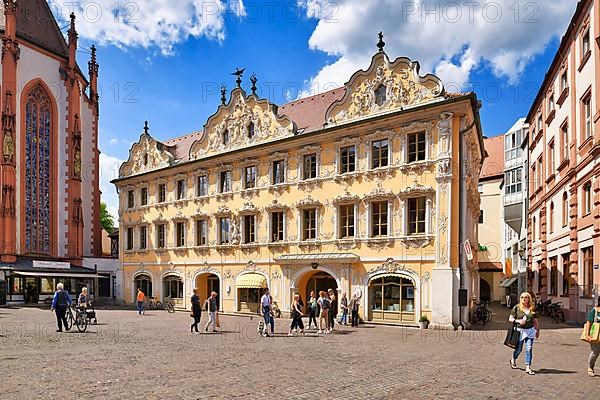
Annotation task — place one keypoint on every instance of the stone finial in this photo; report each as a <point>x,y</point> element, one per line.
<point>238,72</point>
<point>381,43</point>
<point>146,128</point>
<point>253,80</point>
<point>223,96</point>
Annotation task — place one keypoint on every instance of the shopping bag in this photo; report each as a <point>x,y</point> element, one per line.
<point>218,321</point>
<point>513,336</point>
<point>594,331</point>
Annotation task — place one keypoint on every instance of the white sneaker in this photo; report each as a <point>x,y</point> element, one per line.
<point>319,331</point>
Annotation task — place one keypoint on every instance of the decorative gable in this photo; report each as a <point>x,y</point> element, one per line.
<point>244,121</point>
<point>386,86</point>
<point>145,155</point>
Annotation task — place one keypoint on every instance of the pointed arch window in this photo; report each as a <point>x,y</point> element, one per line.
<point>38,174</point>
<point>380,95</point>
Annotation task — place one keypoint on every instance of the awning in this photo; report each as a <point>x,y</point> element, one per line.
<point>251,281</point>
<point>323,257</point>
<point>508,282</point>
<point>61,274</point>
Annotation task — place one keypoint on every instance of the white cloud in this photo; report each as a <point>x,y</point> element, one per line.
<point>149,23</point>
<point>447,37</point>
<point>109,170</point>
<point>113,141</point>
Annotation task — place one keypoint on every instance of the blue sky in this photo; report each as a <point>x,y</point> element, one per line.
<point>165,63</point>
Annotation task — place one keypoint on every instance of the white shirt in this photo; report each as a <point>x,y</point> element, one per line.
<point>265,300</point>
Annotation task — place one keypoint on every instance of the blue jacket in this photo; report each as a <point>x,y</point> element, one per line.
<point>64,295</point>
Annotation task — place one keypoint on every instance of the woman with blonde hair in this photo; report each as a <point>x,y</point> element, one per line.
<point>296,315</point>
<point>324,304</point>
<point>524,315</point>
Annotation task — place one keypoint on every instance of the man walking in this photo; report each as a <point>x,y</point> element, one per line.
<point>213,308</point>
<point>60,302</point>
<point>141,297</point>
<point>354,305</point>
<point>265,303</point>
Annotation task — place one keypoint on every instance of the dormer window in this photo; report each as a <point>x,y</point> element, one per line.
<point>225,137</point>
<point>145,159</point>
<point>380,93</point>
<point>251,130</point>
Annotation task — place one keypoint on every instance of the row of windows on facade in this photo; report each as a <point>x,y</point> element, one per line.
<point>586,210</point>
<point>380,214</point>
<point>587,263</point>
<point>563,86</point>
<point>380,157</point>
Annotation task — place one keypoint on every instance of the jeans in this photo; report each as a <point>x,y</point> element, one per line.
<point>140,307</point>
<point>268,319</point>
<point>528,350</point>
<point>594,354</point>
<point>344,317</point>
<point>61,317</point>
<point>212,318</point>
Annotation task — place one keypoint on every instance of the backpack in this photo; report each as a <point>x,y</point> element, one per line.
<point>325,304</point>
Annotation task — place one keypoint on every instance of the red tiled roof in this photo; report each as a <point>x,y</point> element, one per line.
<point>493,165</point>
<point>180,146</point>
<point>309,113</point>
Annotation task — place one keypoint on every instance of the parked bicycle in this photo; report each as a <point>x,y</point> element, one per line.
<point>556,312</point>
<point>154,304</point>
<point>169,305</point>
<point>542,307</point>
<point>481,313</point>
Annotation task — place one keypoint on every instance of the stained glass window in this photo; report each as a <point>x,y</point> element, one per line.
<point>38,128</point>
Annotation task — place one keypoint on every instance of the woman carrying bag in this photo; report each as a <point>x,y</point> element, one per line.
<point>524,315</point>
<point>591,334</point>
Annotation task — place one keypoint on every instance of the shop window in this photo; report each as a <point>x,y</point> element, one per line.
<point>346,213</point>
<point>347,159</point>
<point>379,219</point>
<point>173,287</point>
<point>416,147</point>
<point>47,286</point>
<point>392,294</point>
<point>379,153</point>
<point>250,177</point>
<point>15,285</point>
<point>416,216</point>
<point>309,224</point>
<point>309,166</point>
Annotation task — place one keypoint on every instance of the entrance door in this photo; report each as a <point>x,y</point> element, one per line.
<point>213,286</point>
<point>484,290</point>
<point>31,290</point>
<point>321,281</point>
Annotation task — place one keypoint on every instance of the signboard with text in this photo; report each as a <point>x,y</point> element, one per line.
<point>51,264</point>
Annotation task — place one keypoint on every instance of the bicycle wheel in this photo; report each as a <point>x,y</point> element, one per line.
<point>82,323</point>
<point>488,315</point>
<point>69,320</point>
<point>159,305</point>
<point>170,308</point>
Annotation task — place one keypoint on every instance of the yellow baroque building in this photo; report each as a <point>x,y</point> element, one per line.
<point>369,189</point>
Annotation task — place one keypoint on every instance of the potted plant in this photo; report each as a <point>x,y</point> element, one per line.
<point>423,322</point>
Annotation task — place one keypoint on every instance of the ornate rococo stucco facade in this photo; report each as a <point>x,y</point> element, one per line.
<point>359,188</point>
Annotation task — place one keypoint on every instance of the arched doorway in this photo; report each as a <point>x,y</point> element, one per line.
<point>485,292</point>
<point>317,281</point>
<point>173,287</point>
<point>207,283</point>
<point>392,299</point>
<point>144,282</point>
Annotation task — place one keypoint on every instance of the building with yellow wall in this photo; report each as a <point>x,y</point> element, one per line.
<point>359,189</point>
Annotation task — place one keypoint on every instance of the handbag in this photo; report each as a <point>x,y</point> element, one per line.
<point>513,336</point>
<point>191,314</point>
<point>218,321</point>
<point>594,330</point>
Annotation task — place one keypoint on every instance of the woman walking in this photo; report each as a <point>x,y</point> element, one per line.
<point>333,309</point>
<point>196,311</point>
<point>525,316</point>
<point>296,315</point>
<point>324,305</point>
<point>593,317</point>
<point>344,306</point>
<point>313,307</point>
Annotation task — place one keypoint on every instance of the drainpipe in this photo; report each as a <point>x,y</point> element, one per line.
<point>461,196</point>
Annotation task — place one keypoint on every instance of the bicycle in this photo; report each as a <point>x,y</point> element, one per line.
<point>481,313</point>
<point>556,312</point>
<point>169,304</point>
<point>77,317</point>
<point>155,304</point>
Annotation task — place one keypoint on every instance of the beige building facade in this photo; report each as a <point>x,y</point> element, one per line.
<point>358,189</point>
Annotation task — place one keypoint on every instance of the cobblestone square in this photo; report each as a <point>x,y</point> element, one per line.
<point>154,356</point>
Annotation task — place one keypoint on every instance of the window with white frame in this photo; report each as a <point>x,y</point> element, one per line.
<point>551,159</point>
<point>565,209</point>
<point>249,176</point>
<point>224,227</point>
<point>512,145</point>
<point>551,103</point>
<point>416,147</point>
<point>278,172</point>
<point>513,181</point>
<point>143,237</point>
<point>180,189</point>
<point>380,153</point>
<point>585,43</point>
<point>416,215</point>
<point>347,159</point>
<point>161,235</point>
<point>162,192</point>
<point>379,218</point>
<point>130,199</point>
<point>129,239</point>
<point>309,224</point>
<point>201,232</point>
<point>249,229</point>
<point>277,226</point>
<point>564,81</point>
<point>202,186</point>
<point>180,234</point>
<point>587,116</point>
<point>309,166</point>
<point>587,198</point>
<point>564,132</point>
<point>224,181</point>
<point>346,221</point>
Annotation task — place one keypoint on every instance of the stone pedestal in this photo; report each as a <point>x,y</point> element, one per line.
<point>444,307</point>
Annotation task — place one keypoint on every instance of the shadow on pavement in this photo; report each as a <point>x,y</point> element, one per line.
<point>551,371</point>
